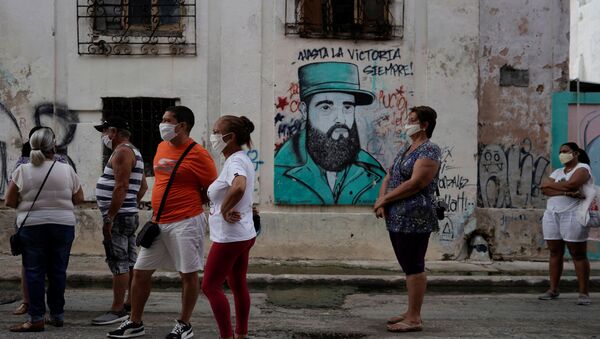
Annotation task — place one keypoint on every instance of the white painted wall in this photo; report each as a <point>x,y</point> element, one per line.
<point>585,41</point>
<point>244,63</point>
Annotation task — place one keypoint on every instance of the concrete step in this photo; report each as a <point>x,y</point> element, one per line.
<point>86,271</point>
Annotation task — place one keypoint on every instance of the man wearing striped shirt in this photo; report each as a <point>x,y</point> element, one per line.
<point>118,192</point>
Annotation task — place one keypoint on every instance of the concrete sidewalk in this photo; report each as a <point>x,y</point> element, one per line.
<point>92,270</point>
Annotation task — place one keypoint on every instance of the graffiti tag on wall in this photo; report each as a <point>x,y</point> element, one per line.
<point>454,190</point>
<point>510,177</point>
<point>63,121</point>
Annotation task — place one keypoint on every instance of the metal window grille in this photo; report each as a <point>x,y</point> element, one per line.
<point>136,27</point>
<point>143,115</point>
<point>345,19</point>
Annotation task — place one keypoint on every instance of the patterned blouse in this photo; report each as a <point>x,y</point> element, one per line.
<point>415,214</point>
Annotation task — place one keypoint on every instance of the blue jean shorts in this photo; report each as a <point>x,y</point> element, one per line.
<point>124,251</point>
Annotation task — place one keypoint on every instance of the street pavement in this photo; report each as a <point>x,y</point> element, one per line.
<point>323,313</point>
<point>323,299</point>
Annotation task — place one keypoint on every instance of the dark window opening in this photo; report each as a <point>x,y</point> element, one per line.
<point>352,19</point>
<point>143,115</point>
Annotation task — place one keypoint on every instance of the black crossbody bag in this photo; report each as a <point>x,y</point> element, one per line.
<point>150,230</point>
<point>16,246</point>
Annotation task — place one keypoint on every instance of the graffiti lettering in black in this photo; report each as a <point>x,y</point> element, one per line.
<point>374,54</point>
<point>397,70</point>
<point>456,181</point>
<point>458,203</point>
<point>287,129</point>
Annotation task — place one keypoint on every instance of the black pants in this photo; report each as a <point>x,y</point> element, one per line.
<point>410,249</point>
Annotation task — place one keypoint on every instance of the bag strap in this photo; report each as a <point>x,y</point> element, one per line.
<point>437,187</point>
<point>36,196</point>
<point>171,178</point>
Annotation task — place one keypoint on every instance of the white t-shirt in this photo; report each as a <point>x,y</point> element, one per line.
<point>561,203</point>
<point>55,204</point>
<point>220,230</point>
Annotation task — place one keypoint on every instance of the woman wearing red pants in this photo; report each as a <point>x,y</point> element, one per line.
<point>231,226</point>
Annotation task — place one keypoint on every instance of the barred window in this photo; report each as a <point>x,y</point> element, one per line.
<point>350,19</point>
<point>144,115</point>
<point>136,27</point>
<point>161,16</point>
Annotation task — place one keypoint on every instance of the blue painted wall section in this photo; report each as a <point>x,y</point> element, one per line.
<point>590,141</point>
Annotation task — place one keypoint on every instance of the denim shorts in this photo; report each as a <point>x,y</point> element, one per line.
<point>124,252</point>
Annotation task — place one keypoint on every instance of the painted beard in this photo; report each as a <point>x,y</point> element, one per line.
<point>328,153</point>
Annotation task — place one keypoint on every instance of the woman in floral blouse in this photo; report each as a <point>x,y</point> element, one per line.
<point>407,202</point>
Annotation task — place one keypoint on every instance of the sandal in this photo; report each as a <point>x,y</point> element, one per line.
<point>395,319</point>
<point>549,295</point>
<point>405,327</point>
<point>21,309</point>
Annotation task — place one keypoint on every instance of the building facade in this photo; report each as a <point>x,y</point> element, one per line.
<point>489,68</point>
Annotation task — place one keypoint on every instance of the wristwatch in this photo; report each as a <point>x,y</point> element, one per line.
<point>107,220</point>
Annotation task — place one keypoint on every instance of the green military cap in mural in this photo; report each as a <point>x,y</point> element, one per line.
<point>332,77</point>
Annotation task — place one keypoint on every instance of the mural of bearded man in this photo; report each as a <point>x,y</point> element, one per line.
<point>324,164</point>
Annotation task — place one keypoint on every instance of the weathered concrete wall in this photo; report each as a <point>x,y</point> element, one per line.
<point>26,78</point>
<point>434,64</point>
<point>523,60</point>
<point>495,139</point>
<point>585,41</point>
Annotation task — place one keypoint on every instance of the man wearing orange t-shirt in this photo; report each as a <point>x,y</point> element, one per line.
<point>179,245</point>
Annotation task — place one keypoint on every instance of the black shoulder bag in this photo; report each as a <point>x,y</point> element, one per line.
<point>16,246</point>
<point>150,230</point>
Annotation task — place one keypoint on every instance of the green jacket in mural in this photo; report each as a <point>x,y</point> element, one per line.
<point>299,181</point>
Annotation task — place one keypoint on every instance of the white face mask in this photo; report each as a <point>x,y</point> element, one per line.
<point>106,141</point>
<point>565,157</point>
<point>411,130</point>
<point>167,131</point>
<point>217,142</point>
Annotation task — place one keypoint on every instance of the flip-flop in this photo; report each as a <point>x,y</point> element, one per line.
<point>395,319</point>
<point>404,327</point>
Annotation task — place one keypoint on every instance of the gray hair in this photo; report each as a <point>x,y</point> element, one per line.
<point>42,144</point>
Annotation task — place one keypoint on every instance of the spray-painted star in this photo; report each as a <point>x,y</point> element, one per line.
<point>281,103</point>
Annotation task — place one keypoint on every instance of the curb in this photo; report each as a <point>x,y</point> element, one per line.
<point>459,282</point>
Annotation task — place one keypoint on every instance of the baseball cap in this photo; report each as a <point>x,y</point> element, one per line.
<point>117,122</point>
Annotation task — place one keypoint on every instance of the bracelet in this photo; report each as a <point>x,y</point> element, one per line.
<point>107,220</point>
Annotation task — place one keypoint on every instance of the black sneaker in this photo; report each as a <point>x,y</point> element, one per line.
<point>181,331</point>
<point>128,329</point>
